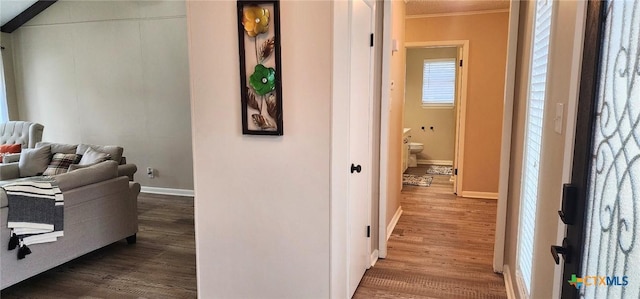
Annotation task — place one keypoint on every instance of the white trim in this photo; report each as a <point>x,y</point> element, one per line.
<point>482,195</point>
<point>167,191</point>
<point>338,229</point>
<point>570,126</point>
<point>520,287</point>
<point>461,106</point>
<point>456,14</point>
<point>508,283</point>
<point>393,222</point>
<point>374,257</point>
<point>435,162</point>
<point>437,106</point>
<point>385,98</point>
<point>505,149</point>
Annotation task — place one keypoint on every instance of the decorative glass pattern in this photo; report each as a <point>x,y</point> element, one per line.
<point>613,203</point>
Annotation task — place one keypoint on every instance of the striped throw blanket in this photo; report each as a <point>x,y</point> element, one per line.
<point>36,211</point>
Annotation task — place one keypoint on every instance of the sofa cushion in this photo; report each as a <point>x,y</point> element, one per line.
<point>10,158</point>
<point>114,151</point>
<point>10,148</point>
<point>60,163</point>
<point>92,156</point>
<point>11,151</point>
<point>34,161</point>
<point>59,147</point>
<point>88,175</point>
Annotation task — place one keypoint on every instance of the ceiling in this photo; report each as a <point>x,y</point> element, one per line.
<point>426,7</point>
<point>9,9</point>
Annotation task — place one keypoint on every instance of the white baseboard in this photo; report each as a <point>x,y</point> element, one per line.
<point>483,195</point>
<point>374,257</point>
<point>508,283</point>
<point>167,191</point>
<point>436,162</point>
<point>393,222</point>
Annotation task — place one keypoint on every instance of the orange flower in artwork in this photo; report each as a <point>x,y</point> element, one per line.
<point>255,20</point>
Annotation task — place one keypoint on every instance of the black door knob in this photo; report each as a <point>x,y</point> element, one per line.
<point>355,168</point>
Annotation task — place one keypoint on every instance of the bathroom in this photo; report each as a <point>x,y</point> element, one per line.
<point>430,108</point>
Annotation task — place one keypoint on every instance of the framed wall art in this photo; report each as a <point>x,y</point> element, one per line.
<point>260,71</point>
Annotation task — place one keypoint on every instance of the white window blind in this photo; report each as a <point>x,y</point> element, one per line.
<point>533,139</point>
<point>438,82</point>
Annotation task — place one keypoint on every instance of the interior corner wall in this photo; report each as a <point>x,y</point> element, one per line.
<point>487,35</point>
<point>111,72</point>
<point>396,110</point>
<point>560,90</point>
<point>262,204</point>
<point>438,143</point>
<point>6,40</point>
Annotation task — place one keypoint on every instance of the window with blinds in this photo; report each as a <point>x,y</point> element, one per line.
<point>533,139</point>
<point>438,82</point>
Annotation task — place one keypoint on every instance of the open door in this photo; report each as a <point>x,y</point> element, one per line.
<point>601,205</point>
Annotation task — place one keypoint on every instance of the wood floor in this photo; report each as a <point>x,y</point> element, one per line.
<point>162,264</point>
<point>442,247</point>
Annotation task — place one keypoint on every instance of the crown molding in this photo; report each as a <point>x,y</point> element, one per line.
<point>456,14</point>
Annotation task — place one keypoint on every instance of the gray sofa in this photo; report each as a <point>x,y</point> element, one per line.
<point>100,208</point>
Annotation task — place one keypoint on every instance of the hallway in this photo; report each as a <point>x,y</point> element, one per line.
<point>442,247</point>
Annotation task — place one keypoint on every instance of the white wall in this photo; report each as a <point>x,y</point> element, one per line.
<point>262,202</point>
<point>111,72</point>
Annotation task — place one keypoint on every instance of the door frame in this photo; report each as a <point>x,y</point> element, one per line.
<point>571,118</point>
<point>580,172</point>
<point>460,104</point>
<point>507,126</point>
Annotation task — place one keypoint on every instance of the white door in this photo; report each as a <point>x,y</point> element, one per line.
<point>601,206</point>
<point>360,149</point>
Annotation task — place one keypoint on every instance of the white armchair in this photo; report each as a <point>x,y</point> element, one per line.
<point>24,132</point>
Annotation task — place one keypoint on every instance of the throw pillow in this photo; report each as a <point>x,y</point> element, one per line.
<point>10,148</point>
<point>92,156</point>
<point>60,163</point>
<point>34,161</point>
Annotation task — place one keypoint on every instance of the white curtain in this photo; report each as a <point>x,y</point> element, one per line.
<point>4,110</point>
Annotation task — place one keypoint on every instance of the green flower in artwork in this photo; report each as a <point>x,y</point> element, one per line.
<point>263,79</point>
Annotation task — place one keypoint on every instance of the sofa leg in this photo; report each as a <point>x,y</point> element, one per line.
<point>131,239</point>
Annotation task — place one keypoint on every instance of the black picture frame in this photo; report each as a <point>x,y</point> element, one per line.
<point>260,67</point>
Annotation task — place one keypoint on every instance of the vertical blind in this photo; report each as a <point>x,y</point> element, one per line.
<point>533,138</point>
<point>438,81</point>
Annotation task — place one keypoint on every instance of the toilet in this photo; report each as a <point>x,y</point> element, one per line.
<point>414,149</point>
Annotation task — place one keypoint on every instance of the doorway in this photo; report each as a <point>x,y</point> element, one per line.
<point>485,119</point>
<point>434,107</point>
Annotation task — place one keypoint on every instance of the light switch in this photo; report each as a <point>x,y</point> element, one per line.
<point>559,117</point>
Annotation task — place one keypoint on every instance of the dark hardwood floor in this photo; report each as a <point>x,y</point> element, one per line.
<point>162,264</point>
<point>442,247</point>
